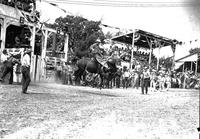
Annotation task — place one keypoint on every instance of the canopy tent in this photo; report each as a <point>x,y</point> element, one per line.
<point>189,58</point>
<point>143,39</point>
<point>146,40</point>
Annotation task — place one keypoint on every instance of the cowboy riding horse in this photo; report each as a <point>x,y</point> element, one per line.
<point>95,69</point>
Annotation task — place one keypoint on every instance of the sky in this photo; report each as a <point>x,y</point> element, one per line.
<point>174,22</point>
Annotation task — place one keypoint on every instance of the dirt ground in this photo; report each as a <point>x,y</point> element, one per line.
<point>53,111</point>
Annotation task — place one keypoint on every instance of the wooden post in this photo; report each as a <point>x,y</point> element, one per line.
<point>54,44</point>
<point>158,59</point>
<point>196,67</point>
<point>3,34</point>
<point>183,66</point>
<point>132,50</point>
<point>184,75</point>
<point>191,65</point>
<point>33,58</point>
<point>44,48</point>
<point>150,45</point>
<point>66,47</point>
<point>150,56</point>
<point>36,66</point>
<point>173,50</point>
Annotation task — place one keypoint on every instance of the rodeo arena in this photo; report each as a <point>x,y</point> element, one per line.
<point>118,87</point>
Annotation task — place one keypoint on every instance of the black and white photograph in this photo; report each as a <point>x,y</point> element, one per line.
<point>99,69</point>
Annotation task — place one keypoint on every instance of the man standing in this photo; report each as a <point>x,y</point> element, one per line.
<point>7,66</point>
<point>118,76</point>
<point>4,56</point>
<point>126,77</point>
<point>145,81</point>
<point>153,81</point>
<point>26,71</point>
<point>58,71</point>
<point>4,59</point>
<point>167,81</point>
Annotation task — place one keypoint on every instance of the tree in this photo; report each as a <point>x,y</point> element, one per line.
<point>166,63</point>
<point>194,50</point>
<point>108,35</point>
<point>82,32</point>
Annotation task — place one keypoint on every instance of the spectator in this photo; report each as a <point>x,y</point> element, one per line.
<point>135,80</point>
<point>126,76</point>
<point>26,70</point>
<point>58,71</point>
<point>167,82</point>
<point>145,81</point>
<point>17,42</point>
<point>153,81</point>
<point>161,82</point>
<point>5,56</point>
<point>118,76</point>
<point>4,59</point>
<point>7,66</point>
<point>69,74</point>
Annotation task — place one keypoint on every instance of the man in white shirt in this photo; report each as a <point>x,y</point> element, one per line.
<point>26,62</point>
<point>126,76</point>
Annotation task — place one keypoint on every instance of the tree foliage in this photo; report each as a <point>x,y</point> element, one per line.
<point>82,32</point>
<point>194,50</point>
<point>166,63</point>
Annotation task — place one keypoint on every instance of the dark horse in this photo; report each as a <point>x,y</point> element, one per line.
<point>90,70</point>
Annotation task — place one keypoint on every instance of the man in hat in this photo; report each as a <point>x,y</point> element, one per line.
<point>4,59</point>
<point>5,56</point>
<point>145,81</point>
<point>7,66</point>
<point>26,62</point>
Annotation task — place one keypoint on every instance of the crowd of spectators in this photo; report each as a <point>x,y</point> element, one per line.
<point>161,80</point>
<point>157,80</point>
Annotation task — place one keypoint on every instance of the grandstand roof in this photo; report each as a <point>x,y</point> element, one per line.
<point>190,57</point>
<point>144,39</point>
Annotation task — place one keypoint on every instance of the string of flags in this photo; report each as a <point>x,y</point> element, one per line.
<point>188,42</point>
<point>58,30</point>
<point>176,42</point>
<point>57,6</point>
<point>105,25</point>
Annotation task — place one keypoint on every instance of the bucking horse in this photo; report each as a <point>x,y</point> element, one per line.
<point>91,70</point>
